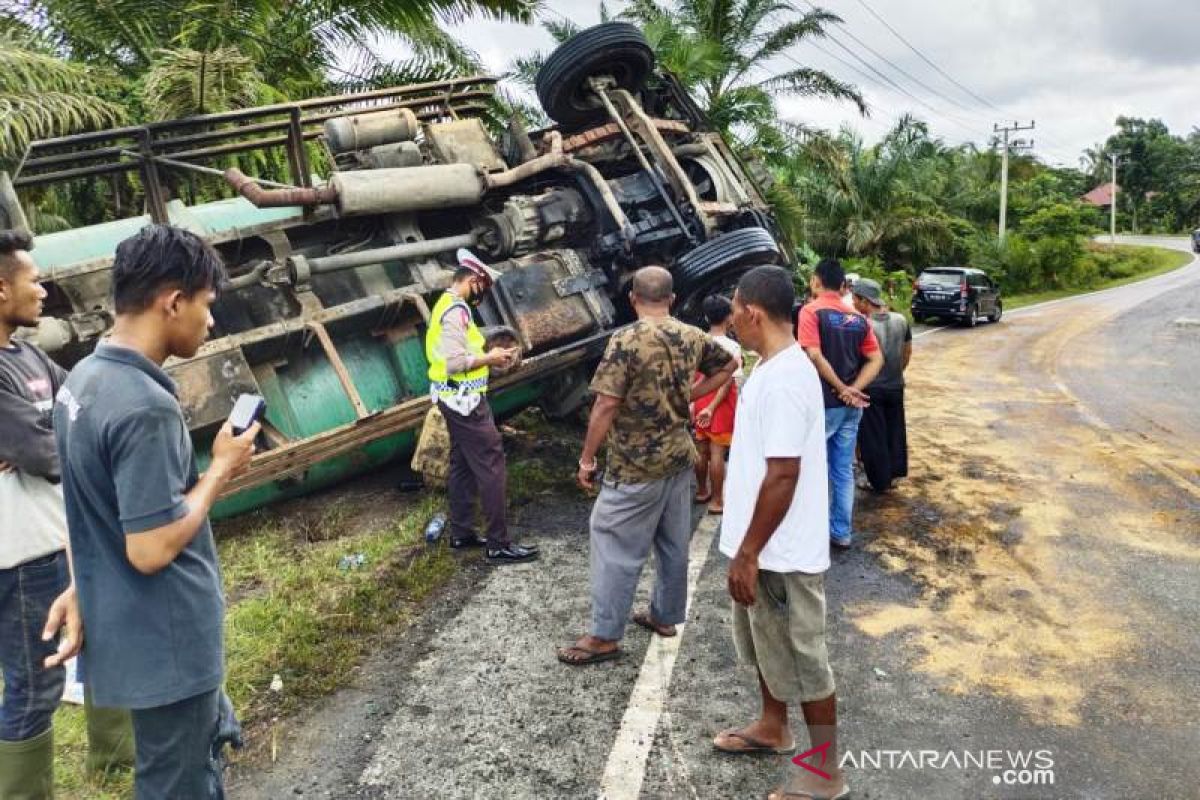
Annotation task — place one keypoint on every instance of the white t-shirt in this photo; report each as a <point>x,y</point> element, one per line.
<point>734,349</point>
<point>780,414</point>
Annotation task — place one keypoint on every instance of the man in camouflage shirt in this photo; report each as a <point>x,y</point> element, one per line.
<point>643,390</point>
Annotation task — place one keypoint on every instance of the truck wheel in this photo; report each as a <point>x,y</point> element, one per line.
<point>716,266</point>
<point>617,49</point>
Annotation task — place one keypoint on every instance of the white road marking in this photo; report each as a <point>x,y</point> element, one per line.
<point>626,767</point>
<point>931,330</point>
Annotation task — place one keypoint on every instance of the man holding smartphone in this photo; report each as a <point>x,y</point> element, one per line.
<point>459,366</point>
<point>148,583</point>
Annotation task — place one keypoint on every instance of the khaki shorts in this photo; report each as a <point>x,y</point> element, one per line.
<point>783,635</point>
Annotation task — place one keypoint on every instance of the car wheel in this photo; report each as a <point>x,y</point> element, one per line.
<point>617,49</point>
<point>716,266</point>
<point>970,319</point>
<point>918,318</point>
<point>999,312</point>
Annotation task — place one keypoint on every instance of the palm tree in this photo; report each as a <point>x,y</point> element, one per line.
<point>294,49</point>
<point>170,58</point>
<point>868,201</point>
<point>183,82</point>
<point>43,96</point>
<point>741,38</point>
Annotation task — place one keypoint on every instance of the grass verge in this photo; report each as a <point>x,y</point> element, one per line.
<point>1144,262</point>
<point>309,593</point>
<point>313,585</point>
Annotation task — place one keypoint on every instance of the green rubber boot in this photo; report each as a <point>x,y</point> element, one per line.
<point>27,768</point>
<point>110,737</point>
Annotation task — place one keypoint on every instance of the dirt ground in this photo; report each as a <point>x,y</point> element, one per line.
<point>1031,587</point>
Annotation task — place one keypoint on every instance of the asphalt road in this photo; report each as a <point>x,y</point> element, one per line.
<point>1031,587</point>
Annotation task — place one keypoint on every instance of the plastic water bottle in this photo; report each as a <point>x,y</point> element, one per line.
<point>433,530</point>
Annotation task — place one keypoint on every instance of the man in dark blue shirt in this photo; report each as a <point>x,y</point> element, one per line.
<point>146,573</point>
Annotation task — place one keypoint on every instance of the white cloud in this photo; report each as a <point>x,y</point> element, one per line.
<point>1073,67</point>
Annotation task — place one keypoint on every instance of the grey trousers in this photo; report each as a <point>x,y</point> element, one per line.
<point>627,521</point>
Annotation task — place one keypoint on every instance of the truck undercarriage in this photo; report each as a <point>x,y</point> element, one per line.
<point>331,279</point>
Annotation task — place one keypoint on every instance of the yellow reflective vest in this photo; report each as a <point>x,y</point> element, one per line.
<point>442,384</point>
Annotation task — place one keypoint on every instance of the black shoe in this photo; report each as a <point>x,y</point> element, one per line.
<point>467,541</point>
<point>512,554</point>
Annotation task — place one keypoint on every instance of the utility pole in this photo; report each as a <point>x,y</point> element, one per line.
<point>1018,144</point>
<point>1112,211</point>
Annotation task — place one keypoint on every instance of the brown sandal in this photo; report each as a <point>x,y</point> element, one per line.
<point>590,656</point>
<point>644,619</point>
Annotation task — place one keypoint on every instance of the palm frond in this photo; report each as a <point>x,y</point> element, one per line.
<point>398,73</point>
<point>42,96</point>
<point>185,82</point>
<point>645,12</point>
<point>524,69</point>
<point>809,82</point>
<point>789,211</point>
<point>44,115</point>
<point>810,26</point>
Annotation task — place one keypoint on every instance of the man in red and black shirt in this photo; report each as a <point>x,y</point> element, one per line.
<point>844,350</point>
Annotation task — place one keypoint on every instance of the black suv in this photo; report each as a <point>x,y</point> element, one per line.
<point>1196,240</point>
<point>957,293</point>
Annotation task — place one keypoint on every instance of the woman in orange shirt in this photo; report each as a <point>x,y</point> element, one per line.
<point>713,413</point>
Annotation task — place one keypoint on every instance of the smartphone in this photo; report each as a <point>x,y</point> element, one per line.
<point>248,410</point>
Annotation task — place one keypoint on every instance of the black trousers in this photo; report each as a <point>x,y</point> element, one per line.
<point>477,469</point>
<point>882,438</point>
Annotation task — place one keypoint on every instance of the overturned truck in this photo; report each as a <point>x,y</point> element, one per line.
<point>332,278</point>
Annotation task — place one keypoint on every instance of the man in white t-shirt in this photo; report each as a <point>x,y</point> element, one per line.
<point>776,530</point>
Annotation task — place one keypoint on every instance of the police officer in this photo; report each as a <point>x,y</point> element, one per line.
<point>458,375</point>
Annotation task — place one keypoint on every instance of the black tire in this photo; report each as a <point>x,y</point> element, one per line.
<point>918,319</point>
<point>999,312</point>
<point>617,49</point>
<point>970,319</point>
<point>717,265</point>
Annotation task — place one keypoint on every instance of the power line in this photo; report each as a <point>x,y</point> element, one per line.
<point>890,63</point>
<point>975,96</point>
<point>926,59</point>
<point>833,56</point>
<point>887,80</point>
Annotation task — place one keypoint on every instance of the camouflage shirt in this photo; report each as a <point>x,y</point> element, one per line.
<point>650,365</point>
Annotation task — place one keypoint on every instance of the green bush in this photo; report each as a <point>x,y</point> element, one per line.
<point>1013,263</point>
<point>1058,263</point>
<point>897,283</point>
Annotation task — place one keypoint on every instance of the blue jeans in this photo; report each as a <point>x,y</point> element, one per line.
<point>181,748</point>
<point>841,433</point>
<point>31,692</point>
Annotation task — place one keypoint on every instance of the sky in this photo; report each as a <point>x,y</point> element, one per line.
<point>1070,67</point>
